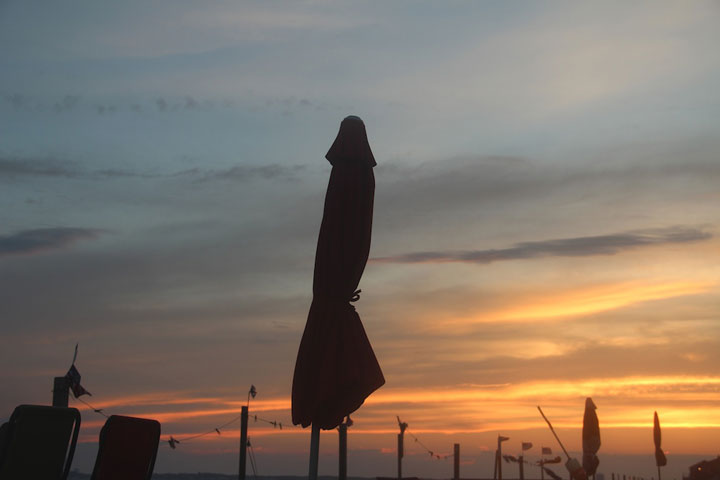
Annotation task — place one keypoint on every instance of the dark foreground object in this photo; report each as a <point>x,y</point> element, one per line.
<point>127,449</point>
<point>38,442</point>
<point>336,368</point>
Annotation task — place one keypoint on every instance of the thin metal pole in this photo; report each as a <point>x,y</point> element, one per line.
<point>314,451</point>
<point>553,432</point>
<point>342,454</point>
<point>659,473</point>
<point>243,442</point>
<point>456,462</point>
<point>400,455</point>
<point>499,460</point>
<point>521,461</point>
<point>495,468</point>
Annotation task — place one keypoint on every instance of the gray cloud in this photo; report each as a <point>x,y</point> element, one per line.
<point>52,167</point>
<point>67,103</point>
<point>242,173</point>
<point>562,247</point>
<point>28,242</point>
<point>15,167</point>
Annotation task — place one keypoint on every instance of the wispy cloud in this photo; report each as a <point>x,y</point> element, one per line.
<point>28,242</point>
<point>562,247</point>
<point>53,167</point>
<point>241,173</point>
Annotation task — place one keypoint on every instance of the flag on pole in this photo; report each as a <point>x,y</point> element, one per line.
<point>73,377</point>
<point>526,446</point>
<point>502,439</point>
<point>546,451</point>
<point>253,392</point>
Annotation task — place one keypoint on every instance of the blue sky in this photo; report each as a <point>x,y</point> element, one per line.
<point>162,177</point>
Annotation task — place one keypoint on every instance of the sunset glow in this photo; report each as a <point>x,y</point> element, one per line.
<point>545,224</point>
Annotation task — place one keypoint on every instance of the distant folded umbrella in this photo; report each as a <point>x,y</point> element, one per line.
<point>660,459</point>
<point>336,368</point>
<point>590,438</point>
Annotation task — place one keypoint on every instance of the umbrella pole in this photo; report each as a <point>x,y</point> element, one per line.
<point>658,472</point>
<point>314,451</point>
<point>553,432</point>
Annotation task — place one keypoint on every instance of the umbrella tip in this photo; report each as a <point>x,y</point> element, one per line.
<point>353,118</point>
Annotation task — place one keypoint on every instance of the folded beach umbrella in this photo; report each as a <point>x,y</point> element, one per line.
<point>336,368</point>
<point>590,438</point>
<point>660,459</point>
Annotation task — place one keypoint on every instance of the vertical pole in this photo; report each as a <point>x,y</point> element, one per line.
<point>60,392</point>
<point>521,463</point>
<point>659,473</point>
<point>542,470</point>
<point>401,452</point>
<point>342,454</point>
<point>456,462</point>
<point>314,451</point>
<point>499,460</point>
<point>495,466</point>
<point>243,442</point>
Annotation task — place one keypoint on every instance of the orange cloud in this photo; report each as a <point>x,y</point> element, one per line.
<point>580,301</point>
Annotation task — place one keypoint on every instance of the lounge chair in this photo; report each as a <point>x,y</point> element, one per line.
<point>39,443</point>
<point>127,450</point>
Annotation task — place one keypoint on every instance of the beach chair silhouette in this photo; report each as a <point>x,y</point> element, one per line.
<point>127,450</point>
<point>39,443</point>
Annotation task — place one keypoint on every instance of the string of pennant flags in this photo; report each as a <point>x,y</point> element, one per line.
<point>73,377</point>
<point>173,442</point>
<point>430,452</point>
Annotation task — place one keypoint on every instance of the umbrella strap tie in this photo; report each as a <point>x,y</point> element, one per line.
<point>355,296</point>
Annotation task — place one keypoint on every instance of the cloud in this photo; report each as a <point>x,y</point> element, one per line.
<point>28,242</point>
<point>611,244</point>
<point>242,173</point>
<point>52,167</point>
<point>14,167</point>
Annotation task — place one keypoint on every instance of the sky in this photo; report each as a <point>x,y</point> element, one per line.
<point>546,221</point>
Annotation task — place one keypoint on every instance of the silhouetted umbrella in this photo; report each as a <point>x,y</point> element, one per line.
<point>590,438</point>
<point>660,459</point>
<point>336,368</point>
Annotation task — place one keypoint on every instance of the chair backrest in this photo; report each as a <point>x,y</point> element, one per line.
<point>127,450</point>
<point>39,443</point>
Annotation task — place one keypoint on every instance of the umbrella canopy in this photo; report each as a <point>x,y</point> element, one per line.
<point>336,368</point>
<point>590,438</point>
<point>660,459</point>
